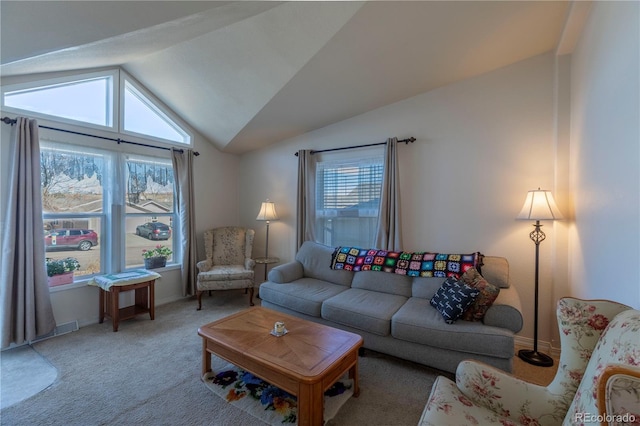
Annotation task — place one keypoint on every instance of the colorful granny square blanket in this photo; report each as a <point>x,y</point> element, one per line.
<point>413,264</point>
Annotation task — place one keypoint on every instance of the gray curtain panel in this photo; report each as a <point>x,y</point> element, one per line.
<point>305,208</point>
<point>389,232</point>
<point>25,305</point>
<point>183,170</point>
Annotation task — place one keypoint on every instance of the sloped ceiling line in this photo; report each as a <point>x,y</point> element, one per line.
<point>246,74</point>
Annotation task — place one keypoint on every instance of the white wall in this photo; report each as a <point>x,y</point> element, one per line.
<point>605,155</point>
<point>481,145</point>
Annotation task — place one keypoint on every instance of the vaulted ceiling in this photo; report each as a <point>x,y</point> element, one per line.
<point>247,74</point>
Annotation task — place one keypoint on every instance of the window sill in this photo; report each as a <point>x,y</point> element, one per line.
<point>84,282</point>
<point>76,284</point>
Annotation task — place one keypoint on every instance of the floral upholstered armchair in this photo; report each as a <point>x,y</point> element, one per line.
<point>228,264</point>
<point>619,394</point>
<point>593,335</point>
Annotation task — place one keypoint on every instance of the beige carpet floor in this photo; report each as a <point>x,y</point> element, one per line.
<point>539,375</point>
<point>149,373</point>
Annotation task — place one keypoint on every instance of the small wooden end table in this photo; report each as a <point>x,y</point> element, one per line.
<point>140,281</point>
<point>305,362</point>
<point>266,261</point>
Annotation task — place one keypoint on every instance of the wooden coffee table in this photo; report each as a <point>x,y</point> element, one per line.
<point>305,362</point>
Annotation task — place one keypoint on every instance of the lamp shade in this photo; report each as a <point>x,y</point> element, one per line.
<point>539,205</point>
<point>267,211</point>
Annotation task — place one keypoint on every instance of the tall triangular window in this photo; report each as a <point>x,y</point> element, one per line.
<point>142,116</point>
<point>106,99</point>
<point>87,100</point>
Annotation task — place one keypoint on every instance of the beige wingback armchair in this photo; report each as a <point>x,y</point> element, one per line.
<point>228,264</point>
<point>593,333</point>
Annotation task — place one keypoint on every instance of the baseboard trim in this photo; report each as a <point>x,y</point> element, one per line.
<point>545,347</point>
<point>61,329</point>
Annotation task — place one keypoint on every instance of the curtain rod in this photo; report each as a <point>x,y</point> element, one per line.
<point>13,121</point>
<point>406,141</point>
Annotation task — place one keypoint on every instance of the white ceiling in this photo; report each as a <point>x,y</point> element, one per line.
<point>247,74</point>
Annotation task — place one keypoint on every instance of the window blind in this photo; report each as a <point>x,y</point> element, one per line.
<point>348,200</point>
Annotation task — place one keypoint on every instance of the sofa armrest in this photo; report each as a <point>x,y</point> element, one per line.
<point>509,396</point>
<point>286,273</point>
<point>506,311</point>
<point>204,265</point>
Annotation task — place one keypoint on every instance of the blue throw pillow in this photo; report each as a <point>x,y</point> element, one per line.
<point>453,298</point>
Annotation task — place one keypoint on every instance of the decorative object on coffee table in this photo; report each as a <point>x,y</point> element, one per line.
<point>539,205</point>
<point>156,257</point>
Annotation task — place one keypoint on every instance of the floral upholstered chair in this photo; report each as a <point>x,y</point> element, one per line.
<point>619,394</point>
<point>593,334</point>
<point>228,264</point>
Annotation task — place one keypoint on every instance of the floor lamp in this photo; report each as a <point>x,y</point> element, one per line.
<point>539,205</point>
<point>267,213</point>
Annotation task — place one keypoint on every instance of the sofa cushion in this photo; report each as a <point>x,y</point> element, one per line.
<point>316,261</point>
<point>383,283</point>
<point>495,269</point>
<point>417,321</point>
<point>305,295</point>
<point>453,298</point>
<point>226,273</point>
<point>365,310</point>
<point>488,294</point>
<point>425,287</point>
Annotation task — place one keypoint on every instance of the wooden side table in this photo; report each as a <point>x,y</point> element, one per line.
<point>140,281</point>
<point>266,261</point>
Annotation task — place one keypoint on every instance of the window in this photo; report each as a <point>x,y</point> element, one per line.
<point>87,100</point>
<point>142,116</point>
<point>93,100</point>
<point>348,200</point>
<point>82,194</point>
<point>102,207</point>
<point>149,206</point>
<point>73,204</point>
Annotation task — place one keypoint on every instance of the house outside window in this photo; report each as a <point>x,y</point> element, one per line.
<point>149,207</point>
<point>73,204</point>
<point>96,214</point>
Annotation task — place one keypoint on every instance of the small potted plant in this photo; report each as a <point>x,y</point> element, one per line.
<point>60,271</point>
<point>156,257</point>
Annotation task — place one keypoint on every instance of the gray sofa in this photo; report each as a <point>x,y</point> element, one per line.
<point>392,312</point>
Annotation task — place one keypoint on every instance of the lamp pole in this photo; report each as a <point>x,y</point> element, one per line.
<point>539,205</point>
<point>534,357</point>
<point>266,249</point>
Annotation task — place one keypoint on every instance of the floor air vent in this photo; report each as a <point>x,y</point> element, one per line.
<point>65,328</point>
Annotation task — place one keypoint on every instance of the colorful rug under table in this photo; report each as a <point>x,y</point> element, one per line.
<point>267,402</point>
